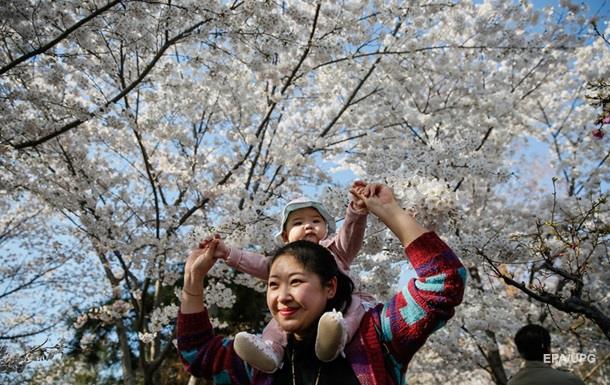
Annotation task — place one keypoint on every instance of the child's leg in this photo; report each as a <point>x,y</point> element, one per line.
<point>331,337</point>
<point>275,337</point>
<point>334,331</point>
<point>264,353</point>
<point>353,316</point>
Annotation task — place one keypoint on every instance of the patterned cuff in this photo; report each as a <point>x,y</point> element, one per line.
<point>193,322</point>
<point>429,255</point>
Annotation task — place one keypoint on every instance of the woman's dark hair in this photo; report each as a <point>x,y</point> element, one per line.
<point>319,260</point>
<point>533,341</point>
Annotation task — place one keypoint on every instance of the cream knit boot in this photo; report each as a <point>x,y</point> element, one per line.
<point>332,336</point>
<point>262,355</point>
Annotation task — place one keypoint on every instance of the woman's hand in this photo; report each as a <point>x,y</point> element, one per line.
<point>222,251</point>
<point>198,264</point>
<point>380,200</point>
<point>201,259</point>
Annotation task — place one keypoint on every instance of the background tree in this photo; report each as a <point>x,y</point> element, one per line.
<point>129,129</point>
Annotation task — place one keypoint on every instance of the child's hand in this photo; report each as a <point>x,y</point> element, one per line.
<point>221,251</point>
<point>376,197</point>
<point>381,201</point>
<point>358,187</point>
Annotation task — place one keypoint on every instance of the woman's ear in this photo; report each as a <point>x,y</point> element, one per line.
<point>331,287</point>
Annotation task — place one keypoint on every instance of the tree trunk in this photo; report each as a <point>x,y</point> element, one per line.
<point>128,375</point>
<point>495,362</point>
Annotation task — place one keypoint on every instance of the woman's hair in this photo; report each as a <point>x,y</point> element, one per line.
<point>319,260</point>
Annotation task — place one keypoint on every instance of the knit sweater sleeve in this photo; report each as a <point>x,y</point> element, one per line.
<point>204,354</point>
<point>426,302</point>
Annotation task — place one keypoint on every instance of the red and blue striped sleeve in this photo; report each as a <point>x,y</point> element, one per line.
<point>427,302</point>
<point>209,356</point>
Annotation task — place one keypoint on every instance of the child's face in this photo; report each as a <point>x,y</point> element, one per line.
<point>307,224</point>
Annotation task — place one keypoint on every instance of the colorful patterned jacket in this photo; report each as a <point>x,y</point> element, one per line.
<point>389,333</point>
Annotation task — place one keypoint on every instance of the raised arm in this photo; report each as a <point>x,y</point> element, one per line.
<point>202,353</point>
<point>428,301</point>
<point>198,263</point>
<point>254,264</point>
<point>347,242</point>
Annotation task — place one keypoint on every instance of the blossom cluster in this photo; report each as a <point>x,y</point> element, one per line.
<point>106,313</point>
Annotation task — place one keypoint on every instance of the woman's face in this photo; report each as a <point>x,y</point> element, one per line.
<point>295,296</point>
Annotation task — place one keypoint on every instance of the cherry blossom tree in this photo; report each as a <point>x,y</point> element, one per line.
<point>131,129</point>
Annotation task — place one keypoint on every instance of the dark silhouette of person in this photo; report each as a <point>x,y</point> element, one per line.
<point>533,343</point>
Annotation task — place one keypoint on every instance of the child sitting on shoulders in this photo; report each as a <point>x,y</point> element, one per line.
<point>305,219</point>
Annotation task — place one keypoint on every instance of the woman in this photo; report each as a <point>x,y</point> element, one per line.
<point>299,292</point>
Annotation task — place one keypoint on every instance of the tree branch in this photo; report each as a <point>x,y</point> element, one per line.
<point>59,38</point>
<point>28,334</point>
<point>30,282</point>
<point>151,180</point>
<point>119,96</point>
<point>570,305</point>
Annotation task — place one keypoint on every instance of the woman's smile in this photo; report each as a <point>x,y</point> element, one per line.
<point>287,312</point>
<point>295,295</point>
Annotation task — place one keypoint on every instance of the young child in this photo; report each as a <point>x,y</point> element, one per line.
<point>305,219</point>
